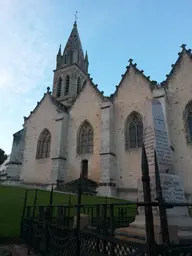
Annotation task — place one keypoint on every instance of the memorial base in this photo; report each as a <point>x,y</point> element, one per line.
<point>180,230</point>
<point>179,221</point>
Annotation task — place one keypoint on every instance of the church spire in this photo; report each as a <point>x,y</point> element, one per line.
<point>73,51</point>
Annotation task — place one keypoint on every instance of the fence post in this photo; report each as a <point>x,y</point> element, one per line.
<point>23,215</point>
<point>112,228</point>
<point>51,203</point>
<point>162,207</point>
<point>78,245</point>
<point>35,202</point>
<point>112,219</point>
<point>97,226</point>
<point>147,199</point>
<point>25,202</point>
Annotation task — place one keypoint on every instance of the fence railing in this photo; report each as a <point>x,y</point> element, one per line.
<point>52,229</point>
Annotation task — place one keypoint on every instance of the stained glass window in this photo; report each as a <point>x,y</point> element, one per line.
<point>85,139</point>
<point>133,131</point>
<point>44,145</point>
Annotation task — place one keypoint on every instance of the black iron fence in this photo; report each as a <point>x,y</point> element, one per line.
<point>89,230</point>
<point>51,230</point>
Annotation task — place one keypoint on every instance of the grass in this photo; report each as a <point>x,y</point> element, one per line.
<point>12,199</point>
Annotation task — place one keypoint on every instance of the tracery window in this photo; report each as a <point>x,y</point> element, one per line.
<point>44,145</point>
<point>59,85</point>
<point>85,139</point>
<point>188,122</point>
<point>67,82</point>
<point>133,131</point>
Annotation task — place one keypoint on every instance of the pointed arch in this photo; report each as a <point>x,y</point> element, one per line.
<point>44,145</point>
<point>78,85</point>
<point>67,83</point>
<point>59,86</point>
<point>133,131</point>
<point>85,138</point>
<point>187,116</point>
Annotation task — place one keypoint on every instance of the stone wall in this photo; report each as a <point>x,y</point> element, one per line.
<point>40,170</point>
<point>16,157</point>
<point>18,146</point>
<point>178,94</point>
<point>86,107</point>
<point>134,94</point>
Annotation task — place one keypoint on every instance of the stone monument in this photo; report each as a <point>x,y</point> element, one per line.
<point>179,221</point>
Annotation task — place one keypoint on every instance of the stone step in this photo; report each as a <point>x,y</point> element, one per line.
<point>185,235</point>
<point>129,239</point>
<point>131,232</point>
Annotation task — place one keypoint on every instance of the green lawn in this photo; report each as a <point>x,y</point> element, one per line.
<point>11,206</point>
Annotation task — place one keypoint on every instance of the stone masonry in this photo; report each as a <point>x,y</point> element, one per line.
<point>115,168</point>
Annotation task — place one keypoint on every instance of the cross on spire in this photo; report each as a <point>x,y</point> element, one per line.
<point>76,18</point>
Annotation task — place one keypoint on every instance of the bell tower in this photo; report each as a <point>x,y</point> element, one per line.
<point>71,69</point>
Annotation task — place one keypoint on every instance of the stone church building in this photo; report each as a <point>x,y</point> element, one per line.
<point>75,129</point>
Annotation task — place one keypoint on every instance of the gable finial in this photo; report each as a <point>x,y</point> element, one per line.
<point>183,46</point>
<point>131,61</point>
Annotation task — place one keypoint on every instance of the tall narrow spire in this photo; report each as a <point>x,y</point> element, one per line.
<point>73,51</point>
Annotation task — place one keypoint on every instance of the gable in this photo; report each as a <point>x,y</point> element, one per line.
<point>181,71</point>
<point>134,84</point>
<point>89,94</point>
<point>48,106</point>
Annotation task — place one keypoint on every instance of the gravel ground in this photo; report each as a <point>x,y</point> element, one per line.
<point>15,250</point>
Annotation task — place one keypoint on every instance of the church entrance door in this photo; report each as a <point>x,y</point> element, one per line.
<point>84,169</point>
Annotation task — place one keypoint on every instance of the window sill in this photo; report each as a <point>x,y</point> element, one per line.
<point>86,155</point>
<point>133,149</point>
<point>42,159</point>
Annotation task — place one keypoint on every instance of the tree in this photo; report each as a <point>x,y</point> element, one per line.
<point>3,156</point>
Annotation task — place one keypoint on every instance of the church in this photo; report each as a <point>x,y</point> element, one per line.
<point>76,130</point>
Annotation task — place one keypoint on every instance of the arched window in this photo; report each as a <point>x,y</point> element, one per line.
<point>188,122</point>
<point>85,139</point>
<point>67,82</point>
<point>44,145</point>
<point>133,131</point>
<point>59,85</point>
<point>78,84</point>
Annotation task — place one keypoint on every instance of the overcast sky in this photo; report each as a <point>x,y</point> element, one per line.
<point>112,31</point>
